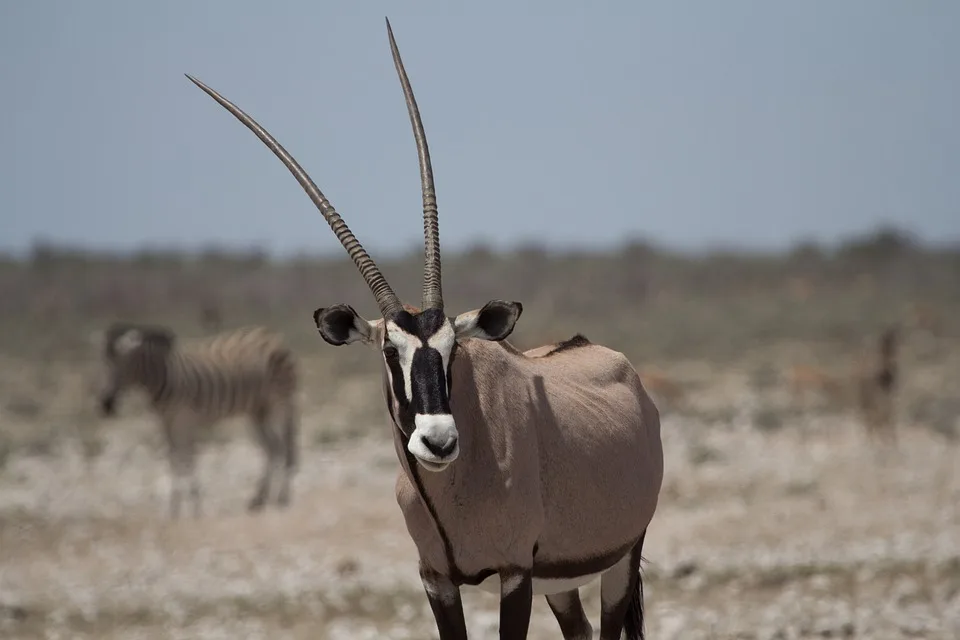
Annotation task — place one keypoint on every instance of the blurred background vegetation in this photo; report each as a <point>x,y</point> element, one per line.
<point>649,302</point>
<point>687,321</point>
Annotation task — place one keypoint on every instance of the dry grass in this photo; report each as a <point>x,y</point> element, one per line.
<point>776,520</point>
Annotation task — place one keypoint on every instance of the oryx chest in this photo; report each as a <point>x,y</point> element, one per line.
<point>474,532</point>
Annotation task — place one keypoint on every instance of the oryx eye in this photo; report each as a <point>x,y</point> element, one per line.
<point>389,350</point>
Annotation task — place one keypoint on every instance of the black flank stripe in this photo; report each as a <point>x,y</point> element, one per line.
<point>455,574</point>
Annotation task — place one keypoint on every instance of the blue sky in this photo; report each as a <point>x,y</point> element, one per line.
<point>569,123</point>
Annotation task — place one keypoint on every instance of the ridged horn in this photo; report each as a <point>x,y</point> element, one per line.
<point>432,289</point>
<point>387,300</point>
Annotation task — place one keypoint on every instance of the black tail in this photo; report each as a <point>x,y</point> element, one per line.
<point>633,621</point>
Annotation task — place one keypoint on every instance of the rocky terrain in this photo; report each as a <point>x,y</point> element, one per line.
<point>778,519</point>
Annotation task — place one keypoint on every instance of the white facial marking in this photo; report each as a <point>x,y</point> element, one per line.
<point>406,345</point>
<point>128,341</point>
<point>443,341</point>
<point>439,429</point>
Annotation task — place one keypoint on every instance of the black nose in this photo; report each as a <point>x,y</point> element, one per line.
<point>108,406</point>
<point>440,451</point>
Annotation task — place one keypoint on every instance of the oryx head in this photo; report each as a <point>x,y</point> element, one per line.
<point>417,346</point>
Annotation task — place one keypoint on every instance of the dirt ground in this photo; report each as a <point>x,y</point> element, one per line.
<point>781,528</point>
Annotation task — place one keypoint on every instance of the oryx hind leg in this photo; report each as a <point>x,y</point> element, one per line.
<point>569,612</point>
<point>621,598</point>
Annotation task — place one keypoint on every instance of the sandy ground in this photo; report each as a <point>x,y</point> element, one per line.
<point>805,531</point>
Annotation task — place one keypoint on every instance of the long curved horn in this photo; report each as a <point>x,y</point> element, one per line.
<point>387,300</point>
<point>432,289</point>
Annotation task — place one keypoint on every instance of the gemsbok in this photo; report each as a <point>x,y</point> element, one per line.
<point>243,372</point>
<point>522,474</point>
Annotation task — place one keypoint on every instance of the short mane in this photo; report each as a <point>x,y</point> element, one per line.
<point>575,342</point>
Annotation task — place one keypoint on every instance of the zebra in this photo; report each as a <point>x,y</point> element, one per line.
<point>247,371</point>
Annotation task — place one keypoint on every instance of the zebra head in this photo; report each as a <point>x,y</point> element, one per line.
<point>417,346</point>
<point>132,355</point>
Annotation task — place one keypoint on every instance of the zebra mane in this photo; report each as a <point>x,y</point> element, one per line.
<point>154,335</point>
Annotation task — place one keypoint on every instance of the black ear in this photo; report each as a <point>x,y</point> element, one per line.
<point>340,325</point>
<point>497,319</point>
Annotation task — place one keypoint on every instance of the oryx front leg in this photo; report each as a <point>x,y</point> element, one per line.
<point>447,606</point>
<point>516,601</point>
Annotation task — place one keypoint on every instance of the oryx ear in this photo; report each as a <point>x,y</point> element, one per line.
<point>340,324</point>
<point>130,340</point>
<point>495,321</point>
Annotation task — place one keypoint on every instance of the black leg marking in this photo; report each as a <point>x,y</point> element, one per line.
<point>516,600</point>
<point>621,599</point>
<point>444,597</point>
<point>569,612</point>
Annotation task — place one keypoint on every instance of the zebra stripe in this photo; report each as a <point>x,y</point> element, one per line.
<point>243,372</point>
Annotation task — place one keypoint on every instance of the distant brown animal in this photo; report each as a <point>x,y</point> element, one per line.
<point>869,388</point>
<point>877,385</point>
<point>519,474</point>
<point>243,372</point>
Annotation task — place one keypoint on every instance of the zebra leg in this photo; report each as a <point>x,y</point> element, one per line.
<point>195,495</point>
<point>186,472</point>
<point>290,453</point>
<point>569,612</point>
<point>175,496</point>
<point>182,465</point>
<point>270,445</point>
